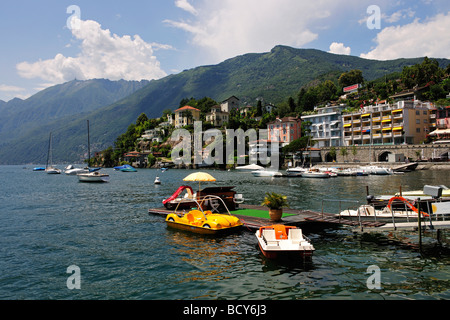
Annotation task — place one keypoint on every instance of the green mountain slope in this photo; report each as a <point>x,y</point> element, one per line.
<point>273,76</point>
<point>68,99</point>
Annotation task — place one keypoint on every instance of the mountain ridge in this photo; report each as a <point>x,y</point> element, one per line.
<point>272,76</point>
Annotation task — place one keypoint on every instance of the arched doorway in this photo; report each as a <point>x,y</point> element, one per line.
<point>384,156</point>
<point>330,157</point>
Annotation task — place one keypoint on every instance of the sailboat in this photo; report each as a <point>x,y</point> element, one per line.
<point>93,175</point>
<point>49,168</point>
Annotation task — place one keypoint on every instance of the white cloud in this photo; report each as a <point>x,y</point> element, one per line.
<point>6,88</point>
<point>416,39</point>
<point>103,55</point>
<point>339,48</point>
<point>227,28</point>
<point>185,5</point>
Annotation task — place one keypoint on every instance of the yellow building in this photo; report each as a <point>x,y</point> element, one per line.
<point>186,116</point>
<point>404,122</point>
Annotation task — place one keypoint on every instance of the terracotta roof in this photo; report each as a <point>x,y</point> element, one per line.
<point>187,108</point>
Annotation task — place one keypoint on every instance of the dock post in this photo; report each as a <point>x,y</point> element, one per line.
<point>420,225</point>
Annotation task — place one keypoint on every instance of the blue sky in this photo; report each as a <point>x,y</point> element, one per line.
<point>149,39</point>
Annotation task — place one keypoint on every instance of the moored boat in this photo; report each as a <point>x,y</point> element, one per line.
<point>279,241</point>
<point>315,174</point>
<point>295,172</point>
<point>72,171</point>
<point>125,168</point>
<point>95,176</point>
<point>266,173</point>
<point>399,209</point>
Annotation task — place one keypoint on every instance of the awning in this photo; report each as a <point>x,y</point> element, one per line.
<point>384,121</point>
<point>439,132</point>
<point>366,115</point>
<point>398,128</point>
<point>398,110</point>
<point>347,125</point>
<point>387,129</point>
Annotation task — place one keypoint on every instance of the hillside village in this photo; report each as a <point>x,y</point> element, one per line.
<point>339,115</point>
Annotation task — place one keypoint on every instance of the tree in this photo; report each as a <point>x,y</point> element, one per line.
<point>344,152</point>
<point>350,78</point>
<point>141,119</point>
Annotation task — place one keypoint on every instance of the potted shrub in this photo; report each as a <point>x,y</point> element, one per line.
<point>275,202</point>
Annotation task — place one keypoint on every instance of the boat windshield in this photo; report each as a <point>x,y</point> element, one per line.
<point>199,202</point>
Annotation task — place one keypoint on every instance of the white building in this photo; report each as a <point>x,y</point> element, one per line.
<point>326,126</point>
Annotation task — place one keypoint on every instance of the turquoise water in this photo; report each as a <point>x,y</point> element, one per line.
<point>48,223</point>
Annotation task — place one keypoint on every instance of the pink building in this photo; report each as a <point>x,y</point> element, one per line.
<point>287,129</point>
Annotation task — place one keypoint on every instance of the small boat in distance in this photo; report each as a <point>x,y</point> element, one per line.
<point>70,170</point>
<point>315,174</point>
<point>93,175</point>
<point>157,180</point>
<point>125,168</point>
<point>266,173</point>
<point>49,168</point>
<point>295,172</point>
<point>280,241</point>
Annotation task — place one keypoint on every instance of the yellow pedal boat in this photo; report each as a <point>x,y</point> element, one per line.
<point>204,222</point>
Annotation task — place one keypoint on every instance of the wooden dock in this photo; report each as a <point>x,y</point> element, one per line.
<point>290,217</point>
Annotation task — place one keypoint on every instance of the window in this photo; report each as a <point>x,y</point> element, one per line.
<point>418,130</point>
<point>418,121</point>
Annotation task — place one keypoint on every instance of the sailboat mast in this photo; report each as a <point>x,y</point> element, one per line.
<point>89,145</point>
<point>49,148</point>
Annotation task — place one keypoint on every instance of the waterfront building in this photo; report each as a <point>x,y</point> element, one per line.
<point>326,126</point>
<point>441,125</point>
<point>404,122</point>
<point>285,130</point>
<point>217,117</point>
<point>186,116</point>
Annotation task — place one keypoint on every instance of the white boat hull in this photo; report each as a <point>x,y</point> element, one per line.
<point>315,175</point>
<point>93,177</point>
<point>74,172</point>
<point>368,213</point>
<point>292,247</point>
<point>53,171</point>
<point>263,173</point>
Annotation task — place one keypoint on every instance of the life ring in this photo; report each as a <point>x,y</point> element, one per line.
<point>407,203</point>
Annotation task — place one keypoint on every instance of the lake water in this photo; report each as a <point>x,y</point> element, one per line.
<point>49,223</point>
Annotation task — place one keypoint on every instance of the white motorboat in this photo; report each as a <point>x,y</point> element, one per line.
<point>280,241</point>
<point>249,168</point>
<point>315,174</point>
<point>346,172</point>
<point>380,171</point>
<point>403,211</point>
<point>52,170</point>
<point>72,171</point>
<point>266,173</point>
<point>295,172</point>
<point>157,180</point>
<point>93,177</point>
